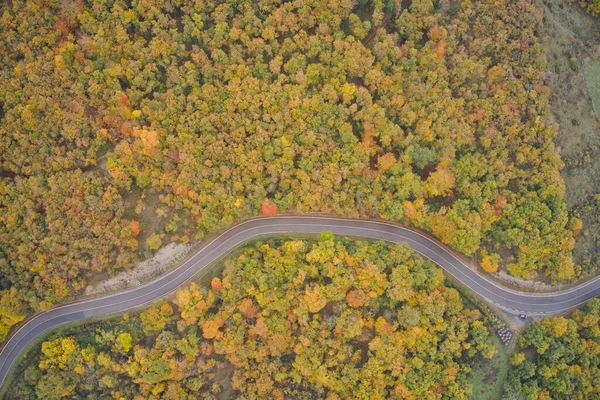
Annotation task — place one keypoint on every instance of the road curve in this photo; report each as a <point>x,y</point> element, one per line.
<point>507,299</point>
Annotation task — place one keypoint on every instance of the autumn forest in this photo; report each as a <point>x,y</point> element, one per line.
<point>286,319</point>
<point>126,125</point>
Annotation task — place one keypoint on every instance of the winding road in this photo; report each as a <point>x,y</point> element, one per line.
<point>509,300</point>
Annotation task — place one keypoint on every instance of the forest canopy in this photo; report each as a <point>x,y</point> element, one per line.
<point>592,6</point>
<point>116,113</point>
<point>559,358</point>
<point>332,318</point>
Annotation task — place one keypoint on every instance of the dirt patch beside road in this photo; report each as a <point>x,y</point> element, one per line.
<point>141,272</point>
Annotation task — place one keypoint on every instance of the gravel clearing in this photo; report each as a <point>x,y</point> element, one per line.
<point>531,285</point>
<point>141,272</point>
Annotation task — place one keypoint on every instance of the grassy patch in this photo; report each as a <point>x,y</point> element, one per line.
<point>592,78</point>
<point>487,376</point>
<point>570,39</point>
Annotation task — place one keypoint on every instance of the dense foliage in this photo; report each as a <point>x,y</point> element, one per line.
<point>592,6</point>
<point>559,358</point>
<point>332,319</point>
<point>427,112</point>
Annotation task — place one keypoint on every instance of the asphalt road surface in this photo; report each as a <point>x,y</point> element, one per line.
<point>506,299</point>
